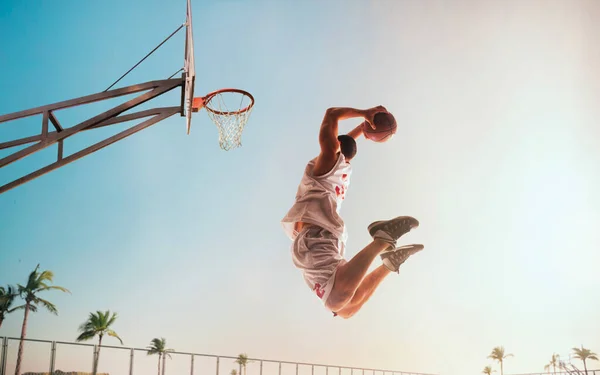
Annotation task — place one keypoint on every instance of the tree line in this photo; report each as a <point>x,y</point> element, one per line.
<point>98,324</point>
<point>498,354</point>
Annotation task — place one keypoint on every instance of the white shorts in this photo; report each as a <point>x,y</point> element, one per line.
<point>318,253</point>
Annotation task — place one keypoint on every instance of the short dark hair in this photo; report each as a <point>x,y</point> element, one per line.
<point>347,146</point>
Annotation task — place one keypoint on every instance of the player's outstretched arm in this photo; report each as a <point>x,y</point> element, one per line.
<point>329,132</point>
<point>357,132</point>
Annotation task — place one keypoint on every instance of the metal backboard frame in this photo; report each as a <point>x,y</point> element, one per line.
<point>189,69</point>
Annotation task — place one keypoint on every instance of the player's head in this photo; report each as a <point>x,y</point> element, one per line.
<point>347,146</point>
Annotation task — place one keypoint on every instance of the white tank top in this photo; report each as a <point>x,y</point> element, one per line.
<point>319,199</point>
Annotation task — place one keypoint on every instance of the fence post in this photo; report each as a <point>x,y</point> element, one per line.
<point>192,366</point>
<point>131,362</point>
<point>217,365</point>
<point>279,368</point>
<point>327,370</point>
<point>52,356</point>
<point>261,364</point>
<point>3,350</point>
<point>312,369</point>
<point>94,360</point>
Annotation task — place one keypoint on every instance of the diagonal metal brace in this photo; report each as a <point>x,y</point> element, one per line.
<point>110,117</point>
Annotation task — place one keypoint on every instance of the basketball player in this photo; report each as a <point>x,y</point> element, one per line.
<point>319,234</point>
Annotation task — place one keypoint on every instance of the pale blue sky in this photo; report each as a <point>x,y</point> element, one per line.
<point>496,155</point>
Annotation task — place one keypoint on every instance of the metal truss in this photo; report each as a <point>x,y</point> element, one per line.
<point>48,138</point>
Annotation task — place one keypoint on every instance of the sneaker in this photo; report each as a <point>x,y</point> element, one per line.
<point>390,230</point>
<point>393,259</point>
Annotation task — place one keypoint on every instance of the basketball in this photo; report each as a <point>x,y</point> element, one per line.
<point>385,125</point>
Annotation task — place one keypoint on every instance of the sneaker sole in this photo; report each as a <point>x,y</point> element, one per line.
<point>416,248</point>
<point>388,264</point>
<point>373,227</point>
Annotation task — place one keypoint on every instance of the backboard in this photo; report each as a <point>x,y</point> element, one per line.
<point>189,69</point>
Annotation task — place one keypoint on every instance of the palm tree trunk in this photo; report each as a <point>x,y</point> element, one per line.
<point>501,368</point>
<point>23,333</point>
<point>97,359</point>
<point>159,354</point>
<point>164,363</point>
<point>585,367</point>
<point>1,320</point>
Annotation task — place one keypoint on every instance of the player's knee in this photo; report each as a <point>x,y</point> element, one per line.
<point>345,314</point>
<point>339,298</point>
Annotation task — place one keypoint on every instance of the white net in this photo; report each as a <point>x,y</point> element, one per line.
<point>225,109</point>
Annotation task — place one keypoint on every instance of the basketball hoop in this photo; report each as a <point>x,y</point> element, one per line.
<point>230,123</point>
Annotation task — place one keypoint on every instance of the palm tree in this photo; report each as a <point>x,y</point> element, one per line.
<point>487,370</point>
<point>553,363</point>
<point>36,283</point>
<point>233,372</point>
<point>498,355</point>
<point>98,323</point>
<point>7,298</point>
<point>242,360</point>
<point>584,355</point>
<point>159,346</point>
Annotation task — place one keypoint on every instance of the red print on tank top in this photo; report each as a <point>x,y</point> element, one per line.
<point>340,190</point>
<point>319,290</point>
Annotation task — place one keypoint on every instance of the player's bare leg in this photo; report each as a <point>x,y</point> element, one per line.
<point>366,289</point>
<point>393,260</point>
<point>350,275</point>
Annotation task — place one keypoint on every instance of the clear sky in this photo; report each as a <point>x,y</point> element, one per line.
<point>497,155</point>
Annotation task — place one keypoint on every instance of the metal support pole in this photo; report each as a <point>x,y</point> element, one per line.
<point>4,354</point>
<point>94,360</point>
<point>296,369</point>
<point>279,368</point>
<point>326,370</point>
<point>261,365</point>
<point>52,356</point>
<point>192,366</point>
<point>312,369</point>
<point>131,362</point>
<point>217,365</point>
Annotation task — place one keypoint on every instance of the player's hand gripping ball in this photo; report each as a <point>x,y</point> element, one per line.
<point>385,127</point>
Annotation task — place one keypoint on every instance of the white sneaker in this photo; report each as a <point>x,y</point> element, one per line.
<point>394,258</point>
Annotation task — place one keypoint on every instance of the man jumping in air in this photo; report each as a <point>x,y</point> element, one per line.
<point>319,234</point>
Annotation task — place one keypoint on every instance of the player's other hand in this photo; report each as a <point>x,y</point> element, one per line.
<point>370,114</point>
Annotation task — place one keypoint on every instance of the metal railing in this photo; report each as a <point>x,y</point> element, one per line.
<point>581,370</point>
<point>44,356</point>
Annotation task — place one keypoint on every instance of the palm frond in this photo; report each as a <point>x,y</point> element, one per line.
<point>54,287</point>
<point>112,333</point>
<point>112,319</point>
<point>21,307</point>
<point>47,304</point>
<point>45,276</point>
<point>32,279</point>
<point>86,335</point>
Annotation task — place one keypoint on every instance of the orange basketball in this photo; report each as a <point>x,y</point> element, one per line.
<point>385,127</point>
